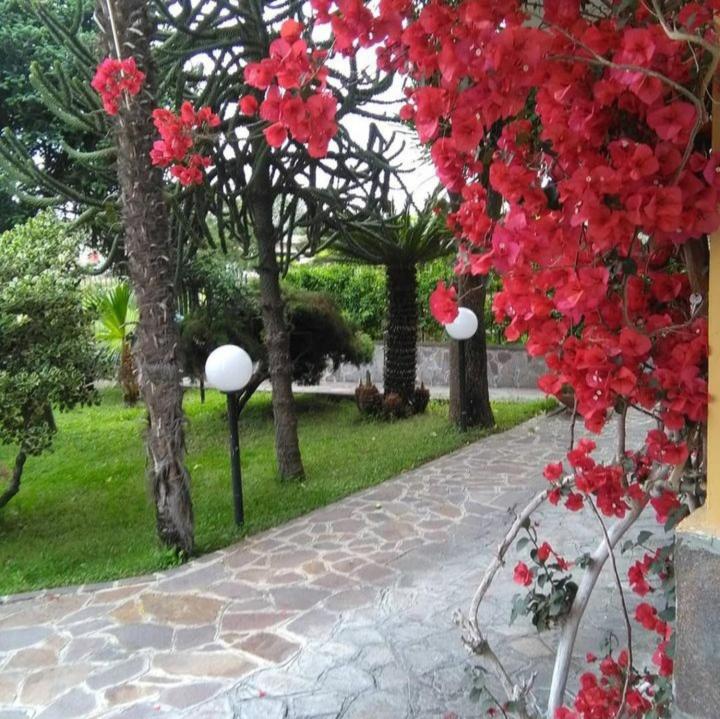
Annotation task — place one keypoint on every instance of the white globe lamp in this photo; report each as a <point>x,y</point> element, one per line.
<point>464,326</point>
<point>228,368</point>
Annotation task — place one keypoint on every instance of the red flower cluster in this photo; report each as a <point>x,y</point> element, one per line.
<point>444,303</point>
<point>523,575</point>
<point>296,102</point>
<point>179,135</point>
<point>572,129</point>
<point>637,575</point>
<point>592,297</point>
<point>608,484</point>
<point>600,695</point>
<point>115,77</point>
<point>545,552</point>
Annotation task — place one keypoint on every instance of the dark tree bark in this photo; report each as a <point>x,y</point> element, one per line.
<point>151,264</point>
<point>14,486</point>
<point>401,333</point>
<point>479,411</point>
<point>277,336</point>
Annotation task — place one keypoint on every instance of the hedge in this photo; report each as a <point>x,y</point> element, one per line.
<point>359,291</point>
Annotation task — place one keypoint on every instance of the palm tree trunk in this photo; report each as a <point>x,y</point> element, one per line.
<point>401,333</point>
<point>277,336</point>
<point>151,263</point>
<point>128,375</point>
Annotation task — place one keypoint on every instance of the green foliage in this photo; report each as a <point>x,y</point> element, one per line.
<point>404,240</point>
<point>318,333</point>
<point>117,313</point>
<point>222,307</point>
<point>24,41</point>
<point>359,291</point>
<point>87,490</point>
<point>47,356</point>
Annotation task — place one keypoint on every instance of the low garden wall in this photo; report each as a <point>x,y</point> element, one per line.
<point>508,366</point>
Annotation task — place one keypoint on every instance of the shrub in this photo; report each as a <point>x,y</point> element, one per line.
<point>47,354</point>
<point>358,290</point>
<point>227,310</point>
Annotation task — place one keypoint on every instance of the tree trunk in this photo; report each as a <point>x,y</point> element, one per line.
<point>277,336</point>
<point>477,395</point>
<point>127,375</point>
<point>14,486</point>
<point>151,263</point>
<point>401,333</point>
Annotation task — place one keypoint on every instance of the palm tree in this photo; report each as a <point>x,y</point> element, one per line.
<point>400,244</point>
<point>118,316</point>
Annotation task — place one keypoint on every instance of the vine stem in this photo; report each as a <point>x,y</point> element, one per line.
<point>662,475</point>
<point>626,613</point>
<point>582,598</point>
<point>475,639</point>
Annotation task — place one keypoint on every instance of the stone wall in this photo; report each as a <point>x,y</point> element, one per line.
<point>508,366</point>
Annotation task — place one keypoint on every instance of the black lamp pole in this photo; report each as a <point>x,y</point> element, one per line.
<point>462,385</point>
<point>233,419</point>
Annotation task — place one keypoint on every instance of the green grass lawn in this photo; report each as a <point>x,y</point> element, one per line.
<point>84,514</point>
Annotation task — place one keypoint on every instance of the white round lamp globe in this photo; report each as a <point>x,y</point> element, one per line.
<point>464,326</point>
<point>228,368</point>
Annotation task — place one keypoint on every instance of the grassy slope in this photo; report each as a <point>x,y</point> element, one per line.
<point>83,513</point>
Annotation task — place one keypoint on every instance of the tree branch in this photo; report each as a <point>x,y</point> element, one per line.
<point>14,486</point>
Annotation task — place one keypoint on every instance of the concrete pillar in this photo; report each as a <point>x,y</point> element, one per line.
<point>697,558</point>
<point>697,639</point>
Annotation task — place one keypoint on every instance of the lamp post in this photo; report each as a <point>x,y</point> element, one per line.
<point>462,328</point>
<point>229,369</point>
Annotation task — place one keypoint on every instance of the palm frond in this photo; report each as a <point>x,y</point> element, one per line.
<point>117,316</point>
<point>402,239</point>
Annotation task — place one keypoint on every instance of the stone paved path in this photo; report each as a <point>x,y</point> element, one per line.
<point>345,612</point>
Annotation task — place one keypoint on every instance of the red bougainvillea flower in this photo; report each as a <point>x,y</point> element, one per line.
<point>553,471</point>
<point>661,449</point>
<point>543,553</point>
<point>275,134</point>
<point>663,660</point>
<point>297,104</point>
<point>443,303</point>
<point>646,615</point>
<point>113,78</point>
<point>522,574</point>
<point>665,504</point>
<point>191,173</point>
<point>249,105</point>
<point>574,502</point>
<point>178,133</point>
<point>578,183</point>
<point>637,574</point>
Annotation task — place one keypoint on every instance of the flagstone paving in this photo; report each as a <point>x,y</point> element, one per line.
<point>346,612</point>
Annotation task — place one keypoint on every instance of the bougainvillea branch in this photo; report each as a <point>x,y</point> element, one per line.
<point>590,121</point>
